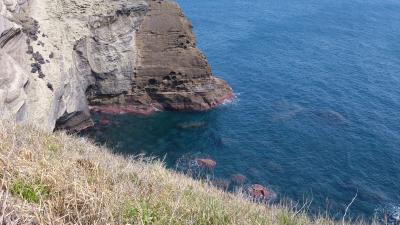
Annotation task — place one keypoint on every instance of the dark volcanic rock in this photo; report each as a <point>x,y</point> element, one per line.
<point>50,86</point>
<point>41,74</point>
<point>35,67</point>
<point>38,58</point>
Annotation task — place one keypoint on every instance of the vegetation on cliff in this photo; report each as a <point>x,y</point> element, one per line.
<point>60,179</point>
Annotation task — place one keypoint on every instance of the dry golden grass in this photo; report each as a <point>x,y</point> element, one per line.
<point>61,179</point>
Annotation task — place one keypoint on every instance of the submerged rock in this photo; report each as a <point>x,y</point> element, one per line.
<point>206,163</point>
<point>191,125</point>
<point>330,116</point>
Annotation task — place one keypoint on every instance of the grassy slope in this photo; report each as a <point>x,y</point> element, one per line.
<point>60,179</point>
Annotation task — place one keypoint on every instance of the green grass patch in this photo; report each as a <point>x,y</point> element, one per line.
<point>286,219</point>
<point>140,212</point>
<point>32,193</point>
<point>130,213</point>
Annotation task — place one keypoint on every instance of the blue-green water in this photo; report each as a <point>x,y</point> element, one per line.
<point>317,113</point>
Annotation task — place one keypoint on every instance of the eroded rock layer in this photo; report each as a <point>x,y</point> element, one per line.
<point>60,58</point>
<point>170,69</point>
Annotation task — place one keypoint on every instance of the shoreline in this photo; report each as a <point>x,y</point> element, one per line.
<point>122,110</point>
<point>150,110</point>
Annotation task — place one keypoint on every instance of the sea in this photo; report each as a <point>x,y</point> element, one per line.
<point>316,114</point>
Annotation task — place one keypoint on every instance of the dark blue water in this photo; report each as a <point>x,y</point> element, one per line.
<point>317,113</point>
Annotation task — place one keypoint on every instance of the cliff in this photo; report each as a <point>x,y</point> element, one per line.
<point>59,59</point>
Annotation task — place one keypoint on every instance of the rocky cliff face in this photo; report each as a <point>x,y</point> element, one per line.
<point>61,58</point>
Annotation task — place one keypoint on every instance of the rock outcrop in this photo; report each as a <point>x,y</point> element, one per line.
<point>61,58</point>
<point>173,71</point>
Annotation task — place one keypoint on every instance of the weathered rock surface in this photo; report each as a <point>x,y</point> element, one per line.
<point>173,72</point>
<point>13,77</point>
<point>60,58</point>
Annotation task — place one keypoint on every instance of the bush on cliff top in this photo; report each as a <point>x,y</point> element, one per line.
<point>60,179</point>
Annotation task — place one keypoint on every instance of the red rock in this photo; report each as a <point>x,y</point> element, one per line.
<point>258,191</point>
<point>206,163</point>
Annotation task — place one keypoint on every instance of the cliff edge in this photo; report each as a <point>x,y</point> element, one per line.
<point>61,59</point>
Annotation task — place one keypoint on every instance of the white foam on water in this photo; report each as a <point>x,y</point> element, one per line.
<point>231,101</point>
<point>389,214</point>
